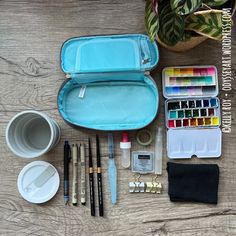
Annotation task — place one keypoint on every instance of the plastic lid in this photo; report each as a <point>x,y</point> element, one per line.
<point>38,182</point>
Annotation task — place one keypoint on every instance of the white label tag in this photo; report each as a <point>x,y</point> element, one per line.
<point>82,91</point>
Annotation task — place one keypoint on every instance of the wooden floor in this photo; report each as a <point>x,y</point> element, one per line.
<point>31,35</point>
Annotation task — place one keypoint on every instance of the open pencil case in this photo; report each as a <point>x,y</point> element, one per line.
<point>109,86</point>
<point>192,112</point>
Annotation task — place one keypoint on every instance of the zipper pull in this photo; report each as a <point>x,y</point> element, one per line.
<point>68,76</point>
<point>146,55</point>
<point>145,61</point>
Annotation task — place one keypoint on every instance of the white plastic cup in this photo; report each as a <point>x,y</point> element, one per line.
<point>31,134</point>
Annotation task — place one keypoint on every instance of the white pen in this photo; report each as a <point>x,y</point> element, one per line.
<point>75,174</point>
<point>83,175</point>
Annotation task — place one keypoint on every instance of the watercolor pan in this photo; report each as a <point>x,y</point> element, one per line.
<point>172,115</point>
<point>180,114</point>
<point>198,103</point>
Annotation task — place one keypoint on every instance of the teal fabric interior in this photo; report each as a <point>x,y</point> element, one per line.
<point>119,102</point>
<point>118,95</point>
<point>130,52</point>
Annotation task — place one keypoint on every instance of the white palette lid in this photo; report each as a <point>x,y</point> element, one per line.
<point>38,182</point>
<point>203,143</point>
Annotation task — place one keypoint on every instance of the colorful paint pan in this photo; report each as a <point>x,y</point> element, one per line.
<point>207,121</point>
<point>211,71</point>
<point>171,123</point>
<point>191,104</point>
<point>178,123</point>
<point>181,114</point>
<point>173,114</point>
<point>186,71</point>
<point>185,122</point>
<point>213,102</point>
<point>198,103</point>
<point>208,80</point>
<point>203,112</point>
<point>173,105</point>
<point>206,103</point>
<point>195,113</point>
<point>215,120</point>
<point>196,71</point>
<point>200,121</point>
<point>211,112</point>
<point>169,72</point>
<point>193,122</point>
<point>172,80</point>
<point>203,71</point>
<point>177,71</point>
<point>184,104</point>
<point>188,113</point>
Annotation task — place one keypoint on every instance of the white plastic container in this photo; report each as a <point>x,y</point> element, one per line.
<point>125,146</point>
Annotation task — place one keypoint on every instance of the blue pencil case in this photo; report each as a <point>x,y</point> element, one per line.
<point>109,86</point>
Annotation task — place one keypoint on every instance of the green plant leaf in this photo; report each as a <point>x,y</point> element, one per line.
<point>187,35</point>
<point>184,7</point>
<point>214,3</point>
<point>207,23</point>
<point>151,20</point>
<point>155,6</point>
<point>171,29</point>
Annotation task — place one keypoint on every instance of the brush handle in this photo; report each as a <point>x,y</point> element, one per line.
<point>112,172</point>
<point>100,197</point>
<point>91,187</point>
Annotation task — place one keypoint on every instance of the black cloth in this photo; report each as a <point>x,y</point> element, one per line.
<point>193,182</point>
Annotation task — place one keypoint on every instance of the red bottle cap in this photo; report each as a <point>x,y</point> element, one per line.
<point>125,137</point>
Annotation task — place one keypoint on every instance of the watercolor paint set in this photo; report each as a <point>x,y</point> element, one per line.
<point>192,111</point>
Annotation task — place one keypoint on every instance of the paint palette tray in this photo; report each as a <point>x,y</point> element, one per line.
<point>188,82</point>
<point>192,111</point>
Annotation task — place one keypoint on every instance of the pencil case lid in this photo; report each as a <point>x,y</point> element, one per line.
<point>109,53</point>
<point>190,81</point>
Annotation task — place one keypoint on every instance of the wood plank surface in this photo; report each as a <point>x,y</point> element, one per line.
<point>31,35</point>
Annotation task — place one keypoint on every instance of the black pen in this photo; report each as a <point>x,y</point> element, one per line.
<point>99,177</point>
<point>67,157</point>
<point>91,182</point>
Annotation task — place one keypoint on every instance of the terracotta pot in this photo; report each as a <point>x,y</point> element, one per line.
<point>183,46</point>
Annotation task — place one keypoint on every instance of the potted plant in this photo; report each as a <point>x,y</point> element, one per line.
<point>180,25</point>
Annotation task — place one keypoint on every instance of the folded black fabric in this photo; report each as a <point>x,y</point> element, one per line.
<point>193,182</point>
